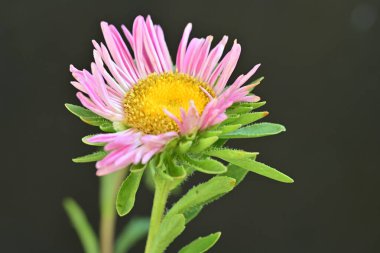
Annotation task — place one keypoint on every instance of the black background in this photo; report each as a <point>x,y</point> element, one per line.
<point>321,62</point>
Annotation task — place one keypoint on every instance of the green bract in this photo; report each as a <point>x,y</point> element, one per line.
<point>201,152</point>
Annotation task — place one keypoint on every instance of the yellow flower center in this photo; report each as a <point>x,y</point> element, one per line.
<point>144,103</point>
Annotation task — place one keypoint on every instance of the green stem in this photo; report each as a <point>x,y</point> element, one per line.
<point>108,188</point>
<point>162,189</point>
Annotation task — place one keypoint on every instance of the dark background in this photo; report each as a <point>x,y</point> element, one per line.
<point>321,62</point>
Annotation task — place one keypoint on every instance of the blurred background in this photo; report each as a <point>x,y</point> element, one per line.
<point>321,62</point>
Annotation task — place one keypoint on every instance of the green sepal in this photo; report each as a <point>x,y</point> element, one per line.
<point>201,244</point>
<point>228,128</point>
<point>237,110</point>
<point>210,133</point>
<point>228,154</point>
<point>82,226</point>
<point>261,169</point>
<point>192,212</point>
<point>89,117</point>
<point>119,126</point>
<point>203,143</point>
<point>107,127</point>
<point>80,111</point>
<point>135,230</point>
<point>94,157</point>
<point>184,146</point>
<point>235,172</point>
<point>168,231</point>
<point>232,117</point>
<point>247,118</point>
<point>176,172</point>
<point>253,106</point>
<point>126,196</point>
<point>208,165</point>
<point>202,194</point>
<point>257,104</point>
<point>255,131</point>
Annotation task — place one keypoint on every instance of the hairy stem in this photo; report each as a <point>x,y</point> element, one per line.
<point>108,189</point>
<point>159,203</point>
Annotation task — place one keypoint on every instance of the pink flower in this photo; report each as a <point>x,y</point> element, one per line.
<point>143,91</point>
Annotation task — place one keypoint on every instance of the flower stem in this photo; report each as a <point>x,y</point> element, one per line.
<point>108,188</point>
<point>162,189</point>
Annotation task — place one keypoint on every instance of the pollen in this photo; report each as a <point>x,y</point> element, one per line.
<point>144,104</point>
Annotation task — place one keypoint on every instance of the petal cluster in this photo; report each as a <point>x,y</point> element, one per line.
<point>117,67</point>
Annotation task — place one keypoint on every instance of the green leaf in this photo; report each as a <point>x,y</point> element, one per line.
<point>257,104</point>
<point>228,154</point>
<point>255,131</point>
<point>89,117</point>
<point>202,194</point>
<point>134,231</point>
<point>95,121</point>
<point>261,169</point>
<point>237,110</point>
<point>125,199</point>
<point>210,133</point>
<point>83,228</point>
<point>80,111</point>
<point>248,118</point>
<point>184,146</point>
<point>168,231</point>
<point>228,128</point>
<point>107,127</point>
<point>203,143</point>
<point>192,212</point>
<point>235,172</point>
<point>208,165</point>
<point>232,117</point>
<point>96,156</point>
<point>202,244</point>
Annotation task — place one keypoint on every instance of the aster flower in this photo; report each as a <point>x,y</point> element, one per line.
<point>171,118</point>
<point>152,100</point>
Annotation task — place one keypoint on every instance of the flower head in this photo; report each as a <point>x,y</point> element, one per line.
<point>153,100</point>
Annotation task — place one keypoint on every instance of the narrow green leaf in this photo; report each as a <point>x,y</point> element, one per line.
<point>202,194</point>
<point>261,169</point>
<point>257,104</point>
<point>95,121</point>
<point>80,111</point>
<point>208,165</point>
<point>192,212</point>
<point>254,105</point>
<point>184,146</point>
<point>89,117</point>
<point>249,118</point>
<point>125,199</point>
<point>107,127</point>
<point>228,128</point>
<point>203,143</point>
<point>232,117</point>
<point>228,154</point>
<point>255,131</point>
<point>81,225</point>
<point>235,172</point>
<point>96,156</point>
<point>135,230</point>
<point>202,244</point>
<point>210,133</point>
<point>239,109</point>
<point>168,231</point>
